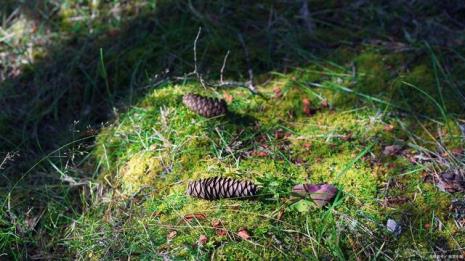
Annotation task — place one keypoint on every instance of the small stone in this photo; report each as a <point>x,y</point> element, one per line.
<point>393,227</point>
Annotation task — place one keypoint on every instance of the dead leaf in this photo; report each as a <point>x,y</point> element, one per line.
<point>279,134</point>
<point>451,181</point>
<point>307,145</point>
<point>217,223</point>
<point>228,97</point>
<point>394,201</point>
<point>457,151</point>
<point>291,115</point>
<point>347,137</point>
<point>244,234</point>
<point>172,234</point>
<point>281,214</point>
<point>260,153</point>
<point>202,240</point>
<point>190,217</point>
<point>457,211</point>
<point>277,92</point>
<point>307,107</point>
<point>392,150</point>
<point>389,127</point>
<point>321,194</point>
<point>221,232</point>
<point>324,103</point>
<point>298,161</point>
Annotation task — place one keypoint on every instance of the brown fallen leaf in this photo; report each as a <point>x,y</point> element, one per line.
<point>281,214</point>
<point>322,194</point>
<point>298,161</point>
<point>203,239</point>
<point>451,181</point>
<point>172,234</point>
<point>221,232</point>
<point>262,138</point>
<point>389,127</point>
<point>307,145</point>
<point>217,223</point>
<point>279,134</point>
<point>394,201</point>
<point>347,137</point>
<point>260,153</point>
<point>228,97</point>
<point>457,151</point>
<point>307,107</point>
<point>244,234</point>
<point>190,217</point>
<point>277,92</point>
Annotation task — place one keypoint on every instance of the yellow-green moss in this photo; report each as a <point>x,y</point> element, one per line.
<point>141,170</point>
<point>165,152</point>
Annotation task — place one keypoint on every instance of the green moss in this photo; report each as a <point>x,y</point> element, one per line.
<point>141,170</point>
<point>162,145</point>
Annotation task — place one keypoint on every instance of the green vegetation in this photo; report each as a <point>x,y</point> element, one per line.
<point>99,152</point>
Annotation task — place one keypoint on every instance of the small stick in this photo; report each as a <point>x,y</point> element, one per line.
<point>196,71</point>
<point>249,83</point>
<point>223,67</point>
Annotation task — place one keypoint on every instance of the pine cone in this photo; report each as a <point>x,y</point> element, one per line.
<point>205,106</point>
<point>219,187</point>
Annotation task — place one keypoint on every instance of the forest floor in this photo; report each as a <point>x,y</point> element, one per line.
<point>97,147</point>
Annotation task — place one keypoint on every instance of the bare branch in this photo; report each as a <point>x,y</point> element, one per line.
<point>223,67</point>
<point>195,50</point>
<point>196,70</point>
<point>249,83</point>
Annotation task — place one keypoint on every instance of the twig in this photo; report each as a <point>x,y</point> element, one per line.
<point>8,157</point>
<point>249,83</point>
<point>196,71</point>
<point>223,67</point>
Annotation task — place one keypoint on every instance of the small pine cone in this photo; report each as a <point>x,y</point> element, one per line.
<point>205,106</point>
<point>219,187</point>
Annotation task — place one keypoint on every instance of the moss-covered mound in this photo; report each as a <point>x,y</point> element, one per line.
<point>292,133</point>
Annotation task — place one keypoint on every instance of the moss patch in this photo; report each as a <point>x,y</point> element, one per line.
<point>273,141</point>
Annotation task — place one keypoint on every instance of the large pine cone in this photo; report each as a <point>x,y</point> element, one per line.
<point>219,187</point>
<point>205,106</point>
